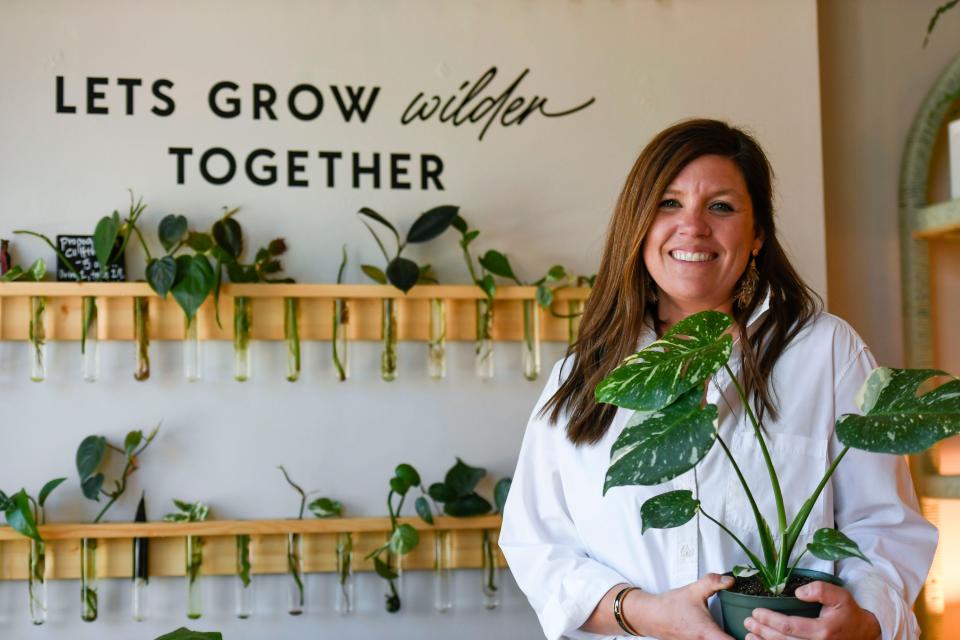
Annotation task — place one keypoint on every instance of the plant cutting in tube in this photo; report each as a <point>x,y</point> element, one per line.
<point>402,272</point>
<point>403,537</point>
<point>328,508</point>
<point>37,334</point>
<point>341,318</point>
<point>92,456</point>
<point>25,514</point>
<point>672,430</point>
<point>193,552</point>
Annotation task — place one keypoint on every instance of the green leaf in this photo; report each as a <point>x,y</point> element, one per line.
<point>199,242</point>
<point>37,270</point>
<point>228,235</point>
<point>460,224</point>
<point>326,508</point>
<point>404,539</point>
<point>132,441</point>
<point>403,273</point>
<point>399,486</point>
<point>896,419</point>
<point>426,275</point>
<point>186,507</point>
<point>544,296</point>
<point>20,516</point>
<point>186,634</point>
<point>90,454</point>
<point>657,446</point>
<point>469,237</point>
<point>742,571</point>
<point>432,223</point>
<point>161,274</point>
<point>556,272</point>
<point>383,569</point>
<point>466,506</point>
<point>14,274</point>
<point>668,510</point>
<point>684,358</point>
<point>462,478</point>
<point>48,489</point>
<point>423,510</point>
<point>830,544</point>
<point>500,493</point>
<point>374,273</point>
<point>488,286</point>
<point>91,487</point>
<point>441,492</point>
<point>277,247</point>
<point>497,264</point>
<point>194,282</point>
<point>171,230</point>
<point>408,473</point>
<point>104,240</point>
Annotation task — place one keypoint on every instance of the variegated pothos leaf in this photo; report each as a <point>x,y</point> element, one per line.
<point>683,358</point>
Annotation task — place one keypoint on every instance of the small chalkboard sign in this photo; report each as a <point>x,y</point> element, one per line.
<point>79,251</point>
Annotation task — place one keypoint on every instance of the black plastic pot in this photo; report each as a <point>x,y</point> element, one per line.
<point>737,607</point>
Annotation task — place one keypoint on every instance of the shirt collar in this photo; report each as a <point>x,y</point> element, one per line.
<point>648,335</point>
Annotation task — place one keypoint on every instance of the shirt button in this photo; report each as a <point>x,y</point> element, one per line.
<point>686,552</point>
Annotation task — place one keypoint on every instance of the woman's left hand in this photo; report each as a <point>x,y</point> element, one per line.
<point>840,617</point>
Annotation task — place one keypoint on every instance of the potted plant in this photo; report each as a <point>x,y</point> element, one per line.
<point>193,552</point>
<point>404,273</point>
<point>92,455</point>
<point>672,430</point>
<point>24,514</point>
<point>388,558</point>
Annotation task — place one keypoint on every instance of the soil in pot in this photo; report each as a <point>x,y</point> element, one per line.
<point>753,586</point>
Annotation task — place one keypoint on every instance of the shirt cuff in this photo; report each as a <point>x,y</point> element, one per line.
<point>876,595</point>
<point>577,597</point>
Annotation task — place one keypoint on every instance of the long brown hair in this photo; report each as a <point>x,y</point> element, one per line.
<point>622,297</point>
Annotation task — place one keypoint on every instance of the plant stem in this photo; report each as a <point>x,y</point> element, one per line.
<point>769,552</point>
<point>752,556</point>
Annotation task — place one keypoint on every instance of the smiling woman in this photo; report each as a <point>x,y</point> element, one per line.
<point>693,230</point>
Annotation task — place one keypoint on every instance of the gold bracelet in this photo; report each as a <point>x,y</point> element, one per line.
<point>618,611</point>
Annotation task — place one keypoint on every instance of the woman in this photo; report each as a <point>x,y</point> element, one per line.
<point>693,230</point>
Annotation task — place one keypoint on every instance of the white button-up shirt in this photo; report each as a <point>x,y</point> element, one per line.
<point>567,544</point>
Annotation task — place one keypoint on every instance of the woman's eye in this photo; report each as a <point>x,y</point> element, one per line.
<point>721,206</point>
<point>669,203</point>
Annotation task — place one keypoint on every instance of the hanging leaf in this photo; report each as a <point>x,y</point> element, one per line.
<point>423,510</point>
<point>441,492</point>
<point>195,280</point>
<point>161,274</point>
<point>682,359</point>
<point>404,539</point>
<point>830,544</point>
<point>668,510</point>
<point>489,287</point>
<point>408,473</point>
<point>373,215</point>
<point>896,419</point>
<point>432,223</point>
<point>228,235</point>
<point>497,264</point>
<point>20,517</point>
<point>658,446</point>
<point>90,454</point>
<point>466,506</point>
<point>374,273</point>
<point>383,569</point>
<point>48,489</point>
<point>104,239</point>
<point>544,296</point>
<point>91,487</point>
<point>403,273</point>
<point>399,486</point>
<point>500,492</point>
<point>171,230</point>
<point>460,224</point>
<point>199,242</point>
<point>462,478</point>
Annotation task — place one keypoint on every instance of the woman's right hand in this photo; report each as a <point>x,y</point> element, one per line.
<point>678,614</point>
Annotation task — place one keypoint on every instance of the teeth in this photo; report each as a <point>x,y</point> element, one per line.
<point>688,256</point>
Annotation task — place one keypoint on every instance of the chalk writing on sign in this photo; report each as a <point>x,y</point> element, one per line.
<point>79,251</point>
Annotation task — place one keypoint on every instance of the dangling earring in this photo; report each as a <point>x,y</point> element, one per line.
<point>748,284</point>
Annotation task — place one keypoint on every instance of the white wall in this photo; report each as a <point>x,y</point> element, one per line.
<point>541,192</point>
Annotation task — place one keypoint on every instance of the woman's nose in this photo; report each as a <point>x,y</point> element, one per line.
<point>693,222</point>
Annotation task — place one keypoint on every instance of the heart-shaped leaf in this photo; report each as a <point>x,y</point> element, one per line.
<point>104,240</point>
<point>171,230</point>
<point>277,247</point>
<point>20,517</point>
<point>462,478</point>
<point>408,473</point>
<point>497,264</point>
<point>466,506</point>
<point>383,569</point>
<point>132,441</point>
<point>896,419</point>
<point>195,280</point>
<point>423,510</point>
<point>374,273</point>
<point>89,455</point>
<point>326,508</point>
<point>48,489</point>
<point>404,539</point>
<point>441,492</point>
<point>830,544</point>
<point>199,242</point>
<point>161,274</point>
<point>432,223</point>
<point>37,270</point>
<point>500,492</point>
<point>403,273</point>
<point>657,446</point>
<point>228,235</point>
<point>668,510</point>
<point>683,358</point>
<point>399,486</point>
<point>488,286</point>
<point>91,487</point>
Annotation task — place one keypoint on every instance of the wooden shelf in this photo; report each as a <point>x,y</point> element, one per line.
<point>938,221</point>
<point>268,540</point>
<point>115,314</point>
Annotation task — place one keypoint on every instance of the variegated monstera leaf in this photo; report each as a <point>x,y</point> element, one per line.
<point>684,358</point>
<point>895,418</point>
